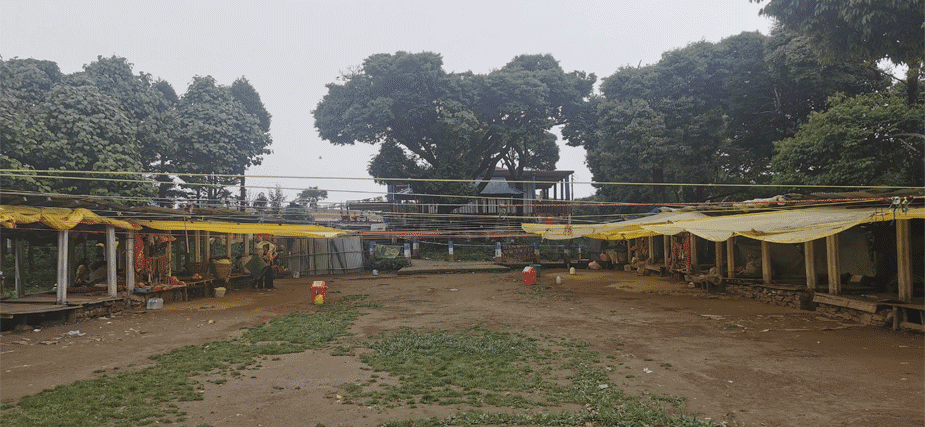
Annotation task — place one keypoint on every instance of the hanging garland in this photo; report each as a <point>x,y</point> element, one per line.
<point>145,264</point>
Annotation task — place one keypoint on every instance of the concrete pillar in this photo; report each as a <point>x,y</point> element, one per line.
<point>61,294</point>
<point>111,260</point>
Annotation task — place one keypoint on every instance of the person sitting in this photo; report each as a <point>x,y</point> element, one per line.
<point>98,271</point>
<point>82,276</point>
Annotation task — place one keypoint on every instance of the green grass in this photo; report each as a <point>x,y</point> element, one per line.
<point>492,376</point>
<point>145,396</point>
<point>487,369</point>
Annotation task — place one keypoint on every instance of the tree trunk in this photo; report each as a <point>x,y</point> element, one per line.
<point>658,191</point>
<point>912,84</point>
<point>243,197</point>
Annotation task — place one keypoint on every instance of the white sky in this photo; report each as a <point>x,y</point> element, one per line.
<point>290,50</point>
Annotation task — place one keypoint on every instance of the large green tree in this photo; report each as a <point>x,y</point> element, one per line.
<point>51,121</point>
<point>436,125</point>
<point>216,137</point>
<point>709,114</point>
<point>872,139</point>
<point>859,30</point>
<point>151,105</point>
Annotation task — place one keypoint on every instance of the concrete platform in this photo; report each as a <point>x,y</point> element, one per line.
<point>444,267</point>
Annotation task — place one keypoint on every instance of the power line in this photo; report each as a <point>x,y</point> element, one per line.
<point>594,183</point>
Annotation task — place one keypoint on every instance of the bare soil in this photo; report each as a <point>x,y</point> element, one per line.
<point>733,360</point>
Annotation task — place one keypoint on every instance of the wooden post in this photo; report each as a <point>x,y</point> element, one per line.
<point>197,237</point>
<point>169,254</point>
<point>111,260</point>
<point>207,239</point>
<point>61,294</point>
<point>666,249</point>
<point>71,266</point>
<point>718,247</point>
<point>18,260</point>
<point>730,258</point>
<point>247,244</point>
<point>766,262</point>
<point>130,262</point>
<point>809,258</point>
<point>904,259</point>
<point>831,255</point>
<point>651,241</point>
<point>695,263</point>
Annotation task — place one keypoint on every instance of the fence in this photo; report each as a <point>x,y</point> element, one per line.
<point>324,256</point>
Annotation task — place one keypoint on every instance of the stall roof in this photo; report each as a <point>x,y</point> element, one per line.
<point>622,230</point>
<point>56,218</point>
<point>786,226</point>
<point>789,226</point>
<point>64,212</point>
<point>283,230</point>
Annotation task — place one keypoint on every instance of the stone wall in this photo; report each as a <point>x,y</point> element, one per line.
<point>105,308</point>
<point>803,300</point>
<point>795,299</point>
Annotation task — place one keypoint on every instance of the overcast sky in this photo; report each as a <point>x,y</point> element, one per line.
<point>290,50</point>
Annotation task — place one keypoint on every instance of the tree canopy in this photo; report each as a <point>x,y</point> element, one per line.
<point>107,118</point>
<point>434,124</point>
<point>709,113</point>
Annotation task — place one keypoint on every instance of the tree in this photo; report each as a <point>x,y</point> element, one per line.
<point>709,113</point>
<point>436,125</point>
<point>88,130</point>
<point>859,31</point>
<point>244,92</point>
<point>216,137</point>
<point>276,200</point>
<point>311,196</point>
<point>871,139</point>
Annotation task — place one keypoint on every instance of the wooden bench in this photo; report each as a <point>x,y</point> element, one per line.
<point>901,314</point>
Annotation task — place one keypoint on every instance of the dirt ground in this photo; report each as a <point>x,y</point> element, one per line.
<point>734,360</point>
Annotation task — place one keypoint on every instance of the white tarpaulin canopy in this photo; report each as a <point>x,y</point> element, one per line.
<point>622,230</point>
<point>788,226</point>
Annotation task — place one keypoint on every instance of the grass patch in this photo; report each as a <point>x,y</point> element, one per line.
<point>145,396</point>
<point>483,368</point>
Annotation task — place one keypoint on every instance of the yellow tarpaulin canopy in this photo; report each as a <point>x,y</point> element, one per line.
<point>283,230</point>
<point>622,230</point>
<point>790,226</point>
<point>56,218</point>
